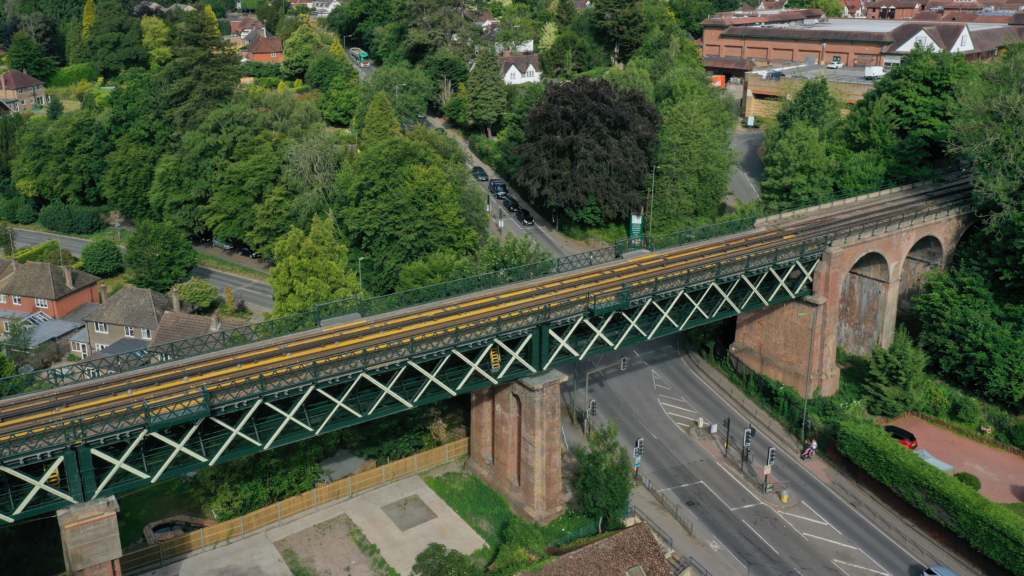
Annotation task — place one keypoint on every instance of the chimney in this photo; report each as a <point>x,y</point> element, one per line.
<point>508,51</point>
<point>215,324</point>
<point>176,302</point>
<point>67,277</point>
<point>3,81</point>
<point>103,292</point>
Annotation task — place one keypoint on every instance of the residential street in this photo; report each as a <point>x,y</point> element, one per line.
<point>659,398</point>
<point>746,180</point>
<point>259,296</point>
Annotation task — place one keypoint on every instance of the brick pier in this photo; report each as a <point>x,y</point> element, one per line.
<point>89,537</point>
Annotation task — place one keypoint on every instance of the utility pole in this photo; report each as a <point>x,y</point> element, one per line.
<point>586,424</point>
<point>651,218</point>
<point>810,360</point>
<point>727,439</point>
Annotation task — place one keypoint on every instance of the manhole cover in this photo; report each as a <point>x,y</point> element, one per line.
<point>691,503</point>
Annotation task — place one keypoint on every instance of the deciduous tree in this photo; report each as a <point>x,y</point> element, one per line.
<point>102,257</point>
<point>26,54</point>
<point>300,50</point>
<point>311,268</point>
<point>198,292</point>
<point>114,41</point>
<point>159,255</point>
<point>798,168</point>
<point>604,479</point>
<point>155,38</point>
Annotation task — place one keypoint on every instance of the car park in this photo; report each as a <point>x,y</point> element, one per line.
<point>524,217</point>
<point>246,251</point>
<point>834,65</point>
<point>479,173</point>
<point>498,188</point>
<point>510,204</point>
<point>903,436</point>
<point>223,244</point>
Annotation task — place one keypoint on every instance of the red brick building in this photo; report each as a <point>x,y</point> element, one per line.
<point>893,9</point>
<point>265,49</point>
<point>38,287</point>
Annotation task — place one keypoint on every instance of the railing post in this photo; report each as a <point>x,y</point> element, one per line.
<point>278,515</point>
<point>202,539</point>
<point>416,462</point>
<point>160,546</point>
<point>446,452</point>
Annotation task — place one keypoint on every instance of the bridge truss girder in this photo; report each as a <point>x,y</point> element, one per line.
<point>141,445</point>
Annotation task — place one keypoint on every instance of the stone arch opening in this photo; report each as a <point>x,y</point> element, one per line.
<point>516,429</point>
<point>864,305</point>
<point>926,255</point>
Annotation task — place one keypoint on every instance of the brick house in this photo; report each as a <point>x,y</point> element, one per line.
<point>893,9</point>
<point>179,326</point>
<point>265,49</point>
<point>132,313</point>
<point>40,287</point>
<point>630,552</point>
<point>22,92</point>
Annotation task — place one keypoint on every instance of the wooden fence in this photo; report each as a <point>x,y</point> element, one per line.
<point>167,551</point>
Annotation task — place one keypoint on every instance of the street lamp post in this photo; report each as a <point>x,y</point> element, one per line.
<point>651,217</point>
<point>586,422</point>
<point>361,274</point>
<point>396,95</point>
<point>810,360</point>
<point>343,38</point>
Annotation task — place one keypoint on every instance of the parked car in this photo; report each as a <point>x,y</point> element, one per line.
<point>834,65</point>
<point>498,188</point>
<point>510,204</point>
<point>479,173</point>
<point>524,217</point>
<point>246,251</point>
<point>224,244</point>
<point>904,437</point>
<point>774,75</point>
<point>938,571</point>
<point>198,238</point>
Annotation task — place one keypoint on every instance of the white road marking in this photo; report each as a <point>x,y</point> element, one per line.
<point>861,567</point>
<point>790,525</point>
<point>759,536</point>
<point>731,509</point>
<point>832,541</point>
<point>804,518</point>
<point>738,482</point>
<point>822,519</point>
<point>841,568</point>
<point>677,407</point>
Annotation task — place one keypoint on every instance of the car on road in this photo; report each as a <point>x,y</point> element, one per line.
<point>834,65</point>
<point>223,244</point>
<point>903,436</point>
<point>938,571</point>
<point>774,75</point>
<point>479,173</point>
<point>524,217</point>
<point>246,251</point>
<point>498,188</point>
<point>510,204</point>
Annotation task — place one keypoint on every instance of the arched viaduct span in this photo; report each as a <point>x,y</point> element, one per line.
<point>138,420</point>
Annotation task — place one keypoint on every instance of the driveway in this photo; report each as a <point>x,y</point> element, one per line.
<point>745,184</point>
<point>258,295</point>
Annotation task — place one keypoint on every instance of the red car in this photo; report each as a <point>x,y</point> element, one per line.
<point>902,436</point>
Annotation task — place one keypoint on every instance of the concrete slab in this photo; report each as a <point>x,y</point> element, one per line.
<point>252,556</point>
<point>341,464</point>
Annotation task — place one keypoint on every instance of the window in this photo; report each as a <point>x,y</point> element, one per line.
<point>3,298</point>
<point>273,54</point>
<point>147,334</point>
<point>21,90</point>
<point>129,331</point>
<point>42,303</point>
<point>512,75</point>
<point>7,325</point>
<point>101,327</point>
<point>963,40</point>
<point>16,300</point>
<point>529,73</point>
<point>101,346</point>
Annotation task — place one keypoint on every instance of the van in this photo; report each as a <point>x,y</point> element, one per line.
<point>873,72</point>
<point>774,75</point>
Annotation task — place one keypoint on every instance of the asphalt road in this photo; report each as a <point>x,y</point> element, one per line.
<point>657,398</point>
<point>745,183</point>
<point>257,295</point>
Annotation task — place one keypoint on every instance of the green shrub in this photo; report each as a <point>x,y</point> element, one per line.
<point>102,257</point>
<point>198,292</point>
<point>524,545</point>
<point>269,82</point>
<point>71,218</point>
<point>261,69</point>
<point>968,479</point>
<point>968,409</point>
<point>991,529</point>
<point>72,75</point>
<point>34,253</point>
<point>25,214</point>
<point>62,257</point>
<point>437,560</point>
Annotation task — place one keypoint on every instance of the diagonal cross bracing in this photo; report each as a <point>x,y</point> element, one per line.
<point>431,377</point>
<point>338,403</point>
<point>632,323</point>
<point>288,416</point>
<point>387,390</point>
<point>515,355</point>
<point>37,485</point>
<point>236,431</point>
<point>178,447</point>
<point>563,342</point>
<point>119,464</point>
<point>475,366</point>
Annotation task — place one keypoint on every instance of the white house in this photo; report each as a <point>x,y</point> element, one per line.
<point>323,8</point>
<point>520,68</point>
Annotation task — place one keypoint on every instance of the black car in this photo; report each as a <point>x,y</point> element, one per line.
<point>524,217</point>
<point>510,204</point>
<point>198,238</point>
<point>903,436</point>
<point>479,173</point>
<point>498,188</point>
<point>247,252</point>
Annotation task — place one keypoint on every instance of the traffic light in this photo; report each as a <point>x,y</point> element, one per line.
<point>622,364</point>
<point>771,456</point>
<point>593,409</point>
<point>639,446</point>
<point>753,431</point>
<point>747,435</point>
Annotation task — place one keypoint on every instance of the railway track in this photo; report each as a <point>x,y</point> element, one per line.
<point>23,414</point>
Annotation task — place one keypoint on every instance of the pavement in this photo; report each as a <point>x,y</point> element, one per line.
<point>259,296</point>
<point>659,398</point>
<point>256,555</point>
<point>745,184</point>
<point>501,222</point>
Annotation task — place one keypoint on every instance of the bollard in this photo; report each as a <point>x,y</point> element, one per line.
<point>785,496</point>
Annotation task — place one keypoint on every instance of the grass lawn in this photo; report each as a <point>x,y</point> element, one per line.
<point>142,506</point>
<point>214,263</point>
<point>607,234</point>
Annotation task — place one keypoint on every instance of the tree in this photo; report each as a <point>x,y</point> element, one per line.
<point>548,36</point>
<point>7,235</point>
<point>409,88</point>
<point>271,220</point>
<point>159,255</point>
<point>380,123</point>
<point>798,168</point>
<point>337,50</point>
<point>565,12</point>
<point>622,23</point>
<point>633,76</point>
<point>513,251</point>
<point>325,67</point>
<point>604,479</point>
<point>198,292</point>
<point>895,375</point>
<point>589,150</point>
<point>102,257</point>
<point>155,38</point>
<point>340,101</point>
<point>25,53</point>
<point>54,109</point>
<point>437,560</point>
<point>434,25</point>
<point>813,105</point>
<point>524,544</point>
<point>445,70</point>
<point>486,91</point>
<point>128,178</point>
<point>114,41</point>
<point>572,53</point>
<point>10,127</point>
<point>311,167</point>
<point>300,49</point>
<point>311,268</point>
<point>17,341</point>
<point>88,17</point>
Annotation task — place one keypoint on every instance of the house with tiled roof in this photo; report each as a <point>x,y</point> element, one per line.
<point>633,551</point>
<point>132,313</point>
<point>21,92</point>
<point>581,5</point>
<point>41,287</point>
<point>893,9</point>
<point>519,68</point>
<point>179,326</point>
<point>853,8</point>
<point>265,49</point>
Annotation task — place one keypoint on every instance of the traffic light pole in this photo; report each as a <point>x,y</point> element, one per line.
<point>727,438</point>
<point>586,402</point>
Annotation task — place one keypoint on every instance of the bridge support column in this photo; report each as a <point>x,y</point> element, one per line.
<point>515,444</point>
<point>777,342</point>
<point>89,537</point>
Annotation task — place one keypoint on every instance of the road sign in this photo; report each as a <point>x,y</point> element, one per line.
<point>636,464</point>
<point>636,226</point>
<point>714,428</point>
<point>768,487</point>
<point>767,470</point>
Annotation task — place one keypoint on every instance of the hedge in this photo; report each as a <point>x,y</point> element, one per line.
<point>990,528</point>
<point>72,75</point>
<point>71,218</point>
<point>34,253</point>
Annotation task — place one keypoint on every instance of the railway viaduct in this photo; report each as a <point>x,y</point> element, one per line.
<point>801,283</point>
